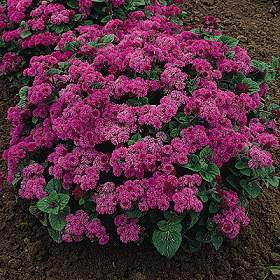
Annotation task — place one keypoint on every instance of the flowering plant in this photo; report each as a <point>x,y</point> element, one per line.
<point>29,28</point>
<point>142,128</point>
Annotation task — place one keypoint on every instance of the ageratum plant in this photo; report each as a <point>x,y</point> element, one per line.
<point>29,28</point>
<point>140,129</point>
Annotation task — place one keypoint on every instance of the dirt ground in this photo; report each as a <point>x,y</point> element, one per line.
<point>27,253</point>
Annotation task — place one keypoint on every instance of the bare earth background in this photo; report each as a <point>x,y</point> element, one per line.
<point>27,253</point>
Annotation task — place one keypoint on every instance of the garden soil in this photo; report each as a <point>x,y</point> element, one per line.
<point>27,253</point>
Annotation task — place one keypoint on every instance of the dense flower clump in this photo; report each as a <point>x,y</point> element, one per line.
<point>28,27</point>
<point>132,127</point>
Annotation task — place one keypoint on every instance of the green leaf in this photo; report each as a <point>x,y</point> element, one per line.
<point>53,185</point>
<point>259,65</point>
<point>244,202</point>
<point>16,179</point>
<point>230,55</point>
<point>206,153</point>
<point>230,41</point>
<point>106,19</point>
<point>214,207</point>
<point>23,91</point>
<point>134,138</point>
<point>81,201</point>
<point>196,31</point>
<point>172,125</point>
<point>236,79</point>
<point>191,84</point>
<point>135,213</point>
<point>45,206</point>
<point>252,85</point>
<point>23,96</point>
<point>73,4</point>
<point>216,239</point>
<point>203,165</point>
<point>53,71</point>
<point>210,172</point>
<point>174,217</point>
<point>163,2</point>
<point>241,164</point>
<point>208,177</point>
<point>25,34</point>
<point>251,188</point>
<point>35,120</point>
<point>63,200</point>
<point>213,169</point>
<point>273,181</point>
<point>202,236</point>
<point>182,118</point>
<point>148,14</point>
<point>72,46</point>
<point>89,207</point>
<point>270,75</point>
<point>2,44</point>
<point>53,196</point>
<point>246,172</point>
<point>169,226</point>
<point>194,245</point>
<point>88,22</point>
<point>273,107</point>
<point>216,197</point>
<point>194,217</point>
<point>193,163</point>
<point>77,17</point>
<point>275,270</point>
<point>57,222</point>
<point>213,37</point>
<point>167,243</point>
<point>64,65</point>
<point>203,195</point>
<point>137,101</point>
<point>174,132</point>
<point>55,235</point>
<point>275,63</point>
<point>58,29</point>
<point>120,13</point>
<point>133,4</point>
<point>52,203</point>
<point>109,38</point>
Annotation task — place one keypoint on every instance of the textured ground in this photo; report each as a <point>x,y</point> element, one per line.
<point>27,253</point>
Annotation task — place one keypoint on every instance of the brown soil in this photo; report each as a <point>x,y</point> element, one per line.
<point>27,253</point>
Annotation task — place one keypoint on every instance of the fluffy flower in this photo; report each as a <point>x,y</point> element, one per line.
<point>127,229</point>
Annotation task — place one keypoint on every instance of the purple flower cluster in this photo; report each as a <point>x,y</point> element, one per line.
<point>10,61</point>
<point>33,184</point>
<point>127,229</point>
<point>82,166</point>
<point>49,12</point>
<point>232,216</point>
<point>79,225</point>
<point>259,158</point>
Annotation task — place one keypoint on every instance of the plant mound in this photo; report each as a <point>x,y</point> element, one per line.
<point>142,129</point>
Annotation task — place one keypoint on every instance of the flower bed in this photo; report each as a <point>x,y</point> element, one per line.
<point>142,128</point>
